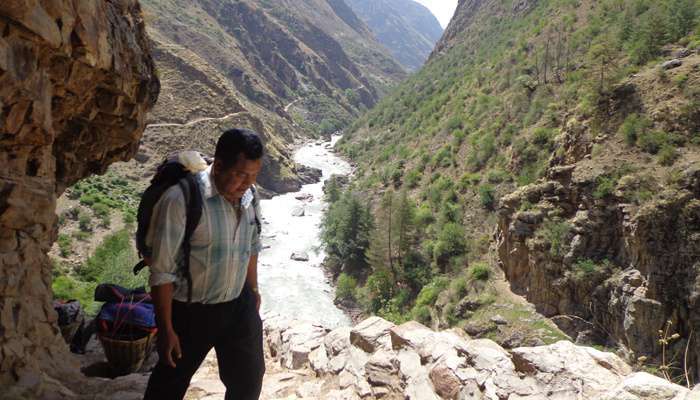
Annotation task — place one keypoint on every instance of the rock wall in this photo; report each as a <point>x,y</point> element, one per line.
<point>605,269</point>
<point>76,81</point>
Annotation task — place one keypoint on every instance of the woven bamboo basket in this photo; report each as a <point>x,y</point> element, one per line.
<point>126,356</point>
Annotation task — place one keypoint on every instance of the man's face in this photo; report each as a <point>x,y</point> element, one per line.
<point>233,182</point>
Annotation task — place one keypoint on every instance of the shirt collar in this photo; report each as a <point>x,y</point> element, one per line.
<point>209,188</point>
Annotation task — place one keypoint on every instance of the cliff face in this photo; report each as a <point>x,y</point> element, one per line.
<point>405,27</point>
<point>608,238</point>
<point>76,81</point>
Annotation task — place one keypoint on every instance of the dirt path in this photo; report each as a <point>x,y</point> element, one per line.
<point>194,121</point>
<point>286,108</point>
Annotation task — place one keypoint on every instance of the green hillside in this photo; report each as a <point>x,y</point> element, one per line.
<point>513,91</point>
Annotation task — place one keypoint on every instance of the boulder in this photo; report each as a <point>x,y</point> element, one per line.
<point>372,334</point>
<point>409,335</point>
<point>297,342</point>
<point>567,364</point>
<point>381,370</point>
<point>299,256</point>
<point>446,383</point>
<point>643,386</point>
<point>337,340</point>
<point>318,360</point>
<point>420,389</point>
<point>298,211</point>
<point>670,64</point>
<point>309,390</point>
<point>682,53</point>
<point>304,197</point>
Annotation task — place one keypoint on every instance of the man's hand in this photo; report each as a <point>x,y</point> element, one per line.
<point>169,347</point>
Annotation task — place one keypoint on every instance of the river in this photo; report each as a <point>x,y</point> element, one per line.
<point>299,289</point>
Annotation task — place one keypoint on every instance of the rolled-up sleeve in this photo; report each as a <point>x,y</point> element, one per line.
<point>165,235</point>
<point>256,240</point>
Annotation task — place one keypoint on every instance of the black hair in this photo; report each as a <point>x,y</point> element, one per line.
<point>235,142</point>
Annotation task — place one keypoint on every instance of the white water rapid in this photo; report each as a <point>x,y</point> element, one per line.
<point>299,289</point>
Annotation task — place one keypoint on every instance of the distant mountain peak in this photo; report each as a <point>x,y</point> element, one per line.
<point>407,28</point>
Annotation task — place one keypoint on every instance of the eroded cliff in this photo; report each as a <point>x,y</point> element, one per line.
<point>76,81</point>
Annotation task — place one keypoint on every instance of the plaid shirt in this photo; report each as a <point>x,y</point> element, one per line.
<point>220,251</point>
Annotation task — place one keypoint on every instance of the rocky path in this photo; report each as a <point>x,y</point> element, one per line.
<point>379,360</point>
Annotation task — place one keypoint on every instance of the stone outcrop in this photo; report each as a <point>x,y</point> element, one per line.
<point>418,363</point>
<point>308,361</point>
<point>76,81</point>
<point>608,268</point>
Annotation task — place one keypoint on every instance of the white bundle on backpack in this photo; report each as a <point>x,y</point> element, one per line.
<point>192,161</point>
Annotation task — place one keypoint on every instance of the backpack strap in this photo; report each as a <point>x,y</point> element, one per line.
<point>255,210</point>
<point>193,204</point>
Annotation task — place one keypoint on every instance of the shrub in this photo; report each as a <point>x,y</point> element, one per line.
<point>421,314</point>
<point>487,196</point>
<point>112,262</point>
<point>82,236</point>
<point>429,293</point>
<point>633,127</point>
<point>667,155</point>
<point>424,216</point>
<point>450,243</point>
<point>84,222</point>
<point>412,178</point>
<point>379,288</point>
<point>459,287</point>
<point>543,136</point>
<point>468,180</point>
<point>65,287</point>
<point>129,217</point>
<point>587,268</point>
<point>605,185</point>
<point>345,287</point>
<point>554,232</point>
<point>65,244</point>
<point>652,141</point>
<point>497,176</point>
<point>101,210</point>
<point>480,271</point>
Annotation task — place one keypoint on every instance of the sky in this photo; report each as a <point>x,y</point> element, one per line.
<point>442,9</point>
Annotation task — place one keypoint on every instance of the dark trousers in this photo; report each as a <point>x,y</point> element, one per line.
<point>234,330</point>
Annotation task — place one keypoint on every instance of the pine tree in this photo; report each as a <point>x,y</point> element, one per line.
<point>681,17</point>
<point>379,254</point>
<point>345,232</point>
<point>603,53</point>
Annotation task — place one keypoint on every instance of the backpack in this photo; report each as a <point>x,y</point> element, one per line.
<point>176,170</point>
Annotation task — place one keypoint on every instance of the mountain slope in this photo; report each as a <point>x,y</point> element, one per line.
<point>406,28</point>
<point>295,68</point>
<point>564,112</point>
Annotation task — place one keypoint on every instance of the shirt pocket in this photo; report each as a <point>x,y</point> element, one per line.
<point>201,237</point>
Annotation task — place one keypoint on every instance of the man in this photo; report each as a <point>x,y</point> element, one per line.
<point>225,303</point>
